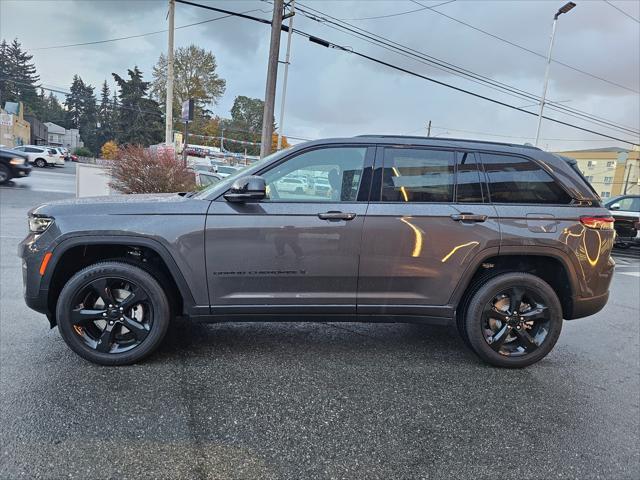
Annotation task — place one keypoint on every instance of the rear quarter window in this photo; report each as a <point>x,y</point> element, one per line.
<point>514,179</point>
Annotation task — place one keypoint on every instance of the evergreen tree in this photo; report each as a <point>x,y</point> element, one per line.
<point>18,77</point>
<point>139,118</point>
<point>52,111</point>
<point>82,112</point>
<point>105,116</point>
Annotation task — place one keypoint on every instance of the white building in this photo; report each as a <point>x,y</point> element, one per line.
<point>62,137</point>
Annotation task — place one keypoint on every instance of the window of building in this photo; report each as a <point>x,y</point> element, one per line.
<point>611,164</point>
<point>605,194</point>
<point>608,180</point>
<point>417,175</point>
<point>589,178</point>
<point>469,188</point>
<point>591,163</point>
<point>326,174</point>
<point>519,180</point>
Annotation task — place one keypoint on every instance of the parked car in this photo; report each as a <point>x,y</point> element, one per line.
<point>41,156</point>
<point>60,152</point>
<point>503,241</point>
<point>13,164</point>
<point>625,209</point>
<point>224,170</point>
<point>291,185</point>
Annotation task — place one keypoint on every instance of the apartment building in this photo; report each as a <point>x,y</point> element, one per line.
<point>612,171</point>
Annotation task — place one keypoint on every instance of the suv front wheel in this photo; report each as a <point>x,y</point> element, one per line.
<point>113,313</point>
<point>513,320</point>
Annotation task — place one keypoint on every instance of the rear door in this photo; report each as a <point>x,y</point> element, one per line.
<point>421,232</point>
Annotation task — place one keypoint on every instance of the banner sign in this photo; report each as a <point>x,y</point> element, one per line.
<point>187,110</point>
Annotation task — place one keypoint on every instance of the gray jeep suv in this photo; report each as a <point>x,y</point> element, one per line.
<point>503,241</point>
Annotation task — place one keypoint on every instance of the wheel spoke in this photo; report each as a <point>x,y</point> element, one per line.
<point>537,313</point>
<point>137,295</point>
<point>84,316</point>
<point>138,329</point>
<point>500,337</point>
<point>498,314</point>
<point>515,299</point>
<point>105,340</point>
<point>526,340</point>
<point>101,286</point>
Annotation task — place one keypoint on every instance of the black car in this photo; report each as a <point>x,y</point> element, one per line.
<point>13,165</point>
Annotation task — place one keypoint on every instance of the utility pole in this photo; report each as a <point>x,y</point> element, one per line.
<point>168,133</point>
<point>272,74</point>
<point>626,182</point>
<point>429,129</point>
<point>286,72</point>
<point>564,9</point>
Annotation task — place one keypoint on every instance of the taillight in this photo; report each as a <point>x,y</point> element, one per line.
<point>599,223</point>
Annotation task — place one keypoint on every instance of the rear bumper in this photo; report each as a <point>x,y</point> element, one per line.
<point>584,307</point>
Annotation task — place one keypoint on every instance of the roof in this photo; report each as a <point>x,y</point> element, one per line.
<point>55,128</point>
<point>455,140</point>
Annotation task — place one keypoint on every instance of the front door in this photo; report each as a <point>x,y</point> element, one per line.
<point>298,250</point>
<point>422,231</point>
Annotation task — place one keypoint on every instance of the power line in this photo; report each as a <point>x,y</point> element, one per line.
<point>513,44</point>
<point>397,14</point>
<point>520,137</point>
<point>622,11</point>
<point>98,42</point>
<point>434,62</point>
<point>328,44</point>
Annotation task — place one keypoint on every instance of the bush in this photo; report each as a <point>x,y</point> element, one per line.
<point>109,150</point>
<point>83,152</point>
<point>141,170</point>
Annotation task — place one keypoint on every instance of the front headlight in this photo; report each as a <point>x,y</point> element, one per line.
<point>17,161</point>
<point>39,224</point>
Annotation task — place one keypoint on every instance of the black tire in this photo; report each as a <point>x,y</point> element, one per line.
<point>513,349</point>
<point>5,174</point>
<point>156,307</point>
<point>40,162</point>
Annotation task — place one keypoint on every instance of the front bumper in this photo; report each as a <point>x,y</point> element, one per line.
<point>21,171</point>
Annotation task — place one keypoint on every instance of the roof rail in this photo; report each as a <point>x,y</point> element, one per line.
<point>417,137</point>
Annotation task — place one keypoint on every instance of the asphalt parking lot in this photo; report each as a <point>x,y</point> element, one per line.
<point>319,400</point>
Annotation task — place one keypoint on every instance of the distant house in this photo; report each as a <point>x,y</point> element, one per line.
<point>39,131</point>
<point>61,137</point>
<point>14,129</point>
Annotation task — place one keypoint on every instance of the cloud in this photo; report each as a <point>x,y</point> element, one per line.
<point>333,93</point>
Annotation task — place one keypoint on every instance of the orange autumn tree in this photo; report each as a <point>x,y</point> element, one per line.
<point>274,142</point>
<point>109,150</point>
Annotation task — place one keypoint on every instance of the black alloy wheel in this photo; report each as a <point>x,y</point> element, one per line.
<point>513,320</point>
<point>113,313</point>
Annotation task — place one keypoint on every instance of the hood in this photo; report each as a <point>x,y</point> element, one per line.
<point>143,204</point>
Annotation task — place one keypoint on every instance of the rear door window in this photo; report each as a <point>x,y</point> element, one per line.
<point>468,181</point>
<point>417,175</point>
<point>515,179</point>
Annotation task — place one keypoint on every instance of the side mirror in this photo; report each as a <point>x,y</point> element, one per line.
<point>247,189</point>
<point>615,206</point>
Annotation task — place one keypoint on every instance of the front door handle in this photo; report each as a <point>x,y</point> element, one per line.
<point>336,216</point>
<point>468,217</point>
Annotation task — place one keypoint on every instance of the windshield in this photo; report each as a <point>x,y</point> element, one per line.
<point>249,170</point>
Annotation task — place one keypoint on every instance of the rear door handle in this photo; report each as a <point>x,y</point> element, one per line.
<point>336,216</point>
<point>468,217</point>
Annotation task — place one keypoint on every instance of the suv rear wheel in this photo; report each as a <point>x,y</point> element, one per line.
<point>40,163</point>
<point>113,313</point>
<point>513,320</point>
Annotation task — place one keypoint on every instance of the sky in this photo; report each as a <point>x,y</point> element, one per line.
<point>332,93</point>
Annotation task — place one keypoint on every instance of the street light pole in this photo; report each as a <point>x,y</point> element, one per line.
<point>286,74</point>
<point>168,133</point>
<point>564,9</point>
